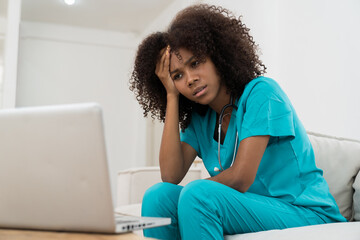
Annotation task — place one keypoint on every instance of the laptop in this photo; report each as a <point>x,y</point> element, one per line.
<point>54,172</point>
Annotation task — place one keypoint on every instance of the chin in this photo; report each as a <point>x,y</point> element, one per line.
<point>197,100</point>
<point>202,104</point>
<point>203,100</point>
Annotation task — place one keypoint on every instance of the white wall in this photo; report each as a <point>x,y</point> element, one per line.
<point>2,48</point>
<point>319,59</point>
<point>11,53</point>
<point>62,64</point>
<point>312,49</point>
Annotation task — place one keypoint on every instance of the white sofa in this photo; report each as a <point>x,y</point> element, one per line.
<point>339,158</point>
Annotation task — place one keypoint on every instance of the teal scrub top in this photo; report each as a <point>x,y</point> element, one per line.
<point>287,169</point>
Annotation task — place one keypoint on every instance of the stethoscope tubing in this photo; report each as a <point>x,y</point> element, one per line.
<point>219,132</point>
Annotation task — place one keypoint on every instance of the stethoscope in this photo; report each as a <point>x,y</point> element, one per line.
<point>221,116</point>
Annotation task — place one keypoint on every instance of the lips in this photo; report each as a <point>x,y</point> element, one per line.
<point>198,89</point>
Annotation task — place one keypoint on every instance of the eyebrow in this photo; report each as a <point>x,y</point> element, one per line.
<point>187,62</point>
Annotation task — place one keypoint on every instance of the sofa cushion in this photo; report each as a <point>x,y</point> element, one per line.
<point>356,187</point>
<point>339,158</point>
<point>331,231</point>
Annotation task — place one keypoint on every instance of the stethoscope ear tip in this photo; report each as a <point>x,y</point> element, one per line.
<point>216,169</point>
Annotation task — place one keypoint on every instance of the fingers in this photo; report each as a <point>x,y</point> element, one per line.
<point>167,58</point>
<point>162,66</point>
<point>159,64</point>
<point>162,70</point>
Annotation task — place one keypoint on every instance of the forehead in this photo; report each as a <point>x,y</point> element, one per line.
<point>178,60</point>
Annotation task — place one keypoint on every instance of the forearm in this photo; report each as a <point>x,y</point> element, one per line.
<point>242,173</point>
<point>230,177</point>
<point>171,156</point>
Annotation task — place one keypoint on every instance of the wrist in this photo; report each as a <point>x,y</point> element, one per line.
<point>172,95</point>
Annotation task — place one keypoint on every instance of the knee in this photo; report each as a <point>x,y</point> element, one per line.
<point>160,200</point>
<point>194,194</point>
<point>199,194</point>
<point>160,192</point>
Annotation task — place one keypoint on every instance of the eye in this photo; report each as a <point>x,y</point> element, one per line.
<point>195,63</point>
<point>177,76</point>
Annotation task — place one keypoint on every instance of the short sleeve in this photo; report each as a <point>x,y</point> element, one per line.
<point>268,111</point>
<point>189,136</point>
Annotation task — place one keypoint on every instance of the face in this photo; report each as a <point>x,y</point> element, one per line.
<point>196,80</point>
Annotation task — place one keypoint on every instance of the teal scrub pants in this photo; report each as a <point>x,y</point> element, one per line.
<point>205,209</point>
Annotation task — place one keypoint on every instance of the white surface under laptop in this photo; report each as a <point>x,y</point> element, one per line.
<point>54,172</point>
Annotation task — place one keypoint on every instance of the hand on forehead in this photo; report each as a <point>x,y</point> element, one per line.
<point>180,58</point>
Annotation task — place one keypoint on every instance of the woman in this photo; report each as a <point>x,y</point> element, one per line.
<point>204,74</point>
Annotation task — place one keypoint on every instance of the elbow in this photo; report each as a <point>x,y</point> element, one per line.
<point>170,174</point>
<point>241,181</point>
<point>243,185</point>
<point>243,188</point>
<point>170,179</point>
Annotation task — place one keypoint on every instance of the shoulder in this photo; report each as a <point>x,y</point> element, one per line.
<point>262,84</point>
<point>263,88</point>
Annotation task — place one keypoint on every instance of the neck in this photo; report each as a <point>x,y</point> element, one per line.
<point>222,99</point>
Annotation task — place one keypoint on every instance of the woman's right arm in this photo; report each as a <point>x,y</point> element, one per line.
<point>175,157</point>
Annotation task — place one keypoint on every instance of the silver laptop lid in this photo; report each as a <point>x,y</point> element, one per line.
<point>53,169</point>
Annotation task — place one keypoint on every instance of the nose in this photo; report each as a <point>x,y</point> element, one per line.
<point>191,79</point>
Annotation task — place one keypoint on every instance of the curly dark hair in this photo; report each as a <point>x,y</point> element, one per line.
<point>206,31</point>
